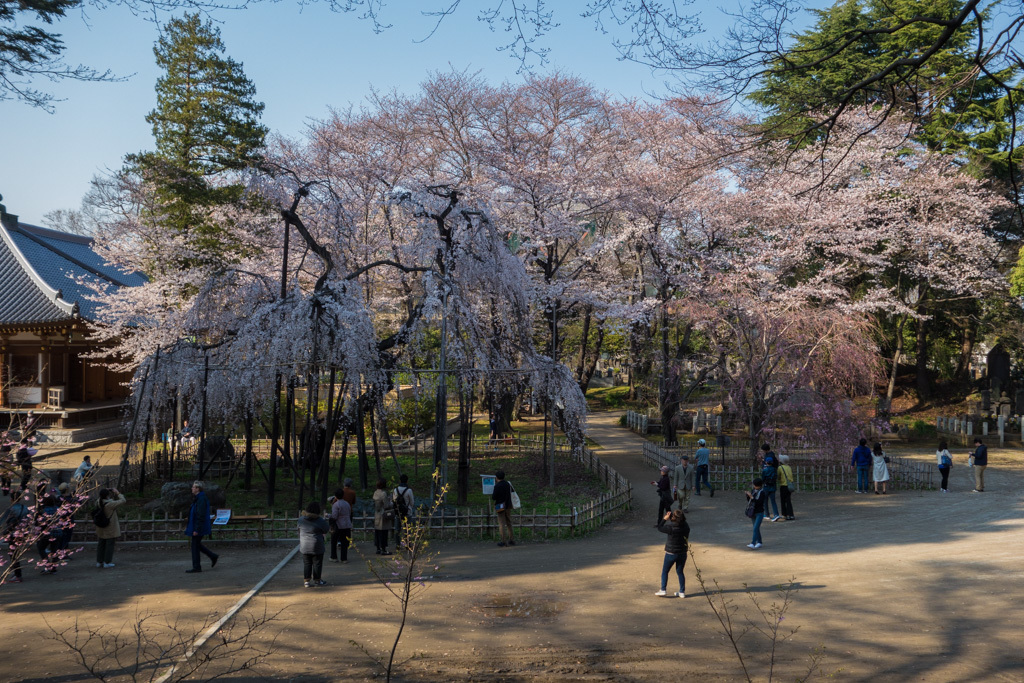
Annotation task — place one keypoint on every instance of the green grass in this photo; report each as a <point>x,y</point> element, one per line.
<point>574,484</point>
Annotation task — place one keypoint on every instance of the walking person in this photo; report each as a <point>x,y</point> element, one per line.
<point>49,532</point>
<point>682,482</point>
<point>110,500</point>
<point>312,528</point>
<point>769,475</point>
<point>785,481</point>
<point>945,460</point>
<point>403,501</point>
<point>703,456</point>
<point>502,497</point>
<point>663,487</point>
<point>674,524</point>
<point>341,528</point>
<point>979,461</point>
<point>755,496</point>
<point>383,517</point>
<point>880,469</point>
<point>24,460</point>
<point>862,460</point>
<point>198,526</point>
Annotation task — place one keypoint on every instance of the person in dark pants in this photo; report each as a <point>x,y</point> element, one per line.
<point>770,476</point>
<point>341,527</point>
<point>502,497</point>
<point>786,481</point>
<point>862,461</point>
<point>404,502</point>
<point>756,495</point>
<point>110,500</point>
<point>312,528</point>
<point>945,460</point>
<point>703,457</point>
<point>674,524</point>
<point>664,490</point>
<point>199,526</point>
<point>24,459</point>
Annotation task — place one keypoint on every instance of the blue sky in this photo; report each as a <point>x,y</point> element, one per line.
<point>303,61</point>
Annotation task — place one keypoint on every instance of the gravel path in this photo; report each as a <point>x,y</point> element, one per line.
<point>908,586</point>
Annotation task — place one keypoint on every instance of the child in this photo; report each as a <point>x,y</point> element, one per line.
<point>756,496</point>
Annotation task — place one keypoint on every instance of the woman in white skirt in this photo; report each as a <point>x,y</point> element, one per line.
<point>880,471</point>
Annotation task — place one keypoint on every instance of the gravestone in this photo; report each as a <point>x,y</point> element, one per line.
<point>986,400</point>
<point>998,370</point>
<point>1004,408</point>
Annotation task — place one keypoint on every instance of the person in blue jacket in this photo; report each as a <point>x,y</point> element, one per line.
<point>199,526</point>
<point>862,461</point>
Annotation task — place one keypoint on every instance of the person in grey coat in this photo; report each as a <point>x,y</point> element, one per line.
<point>312,528</point>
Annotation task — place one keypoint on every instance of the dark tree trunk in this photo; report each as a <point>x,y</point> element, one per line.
<point>923,385</point>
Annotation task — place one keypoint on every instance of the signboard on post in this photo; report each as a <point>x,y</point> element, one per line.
<point>487,482</point>
<point>223,517</point>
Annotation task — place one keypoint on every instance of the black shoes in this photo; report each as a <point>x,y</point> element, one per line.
<point>193,571</point>
<point>213,562</point>
<point>712,493</point>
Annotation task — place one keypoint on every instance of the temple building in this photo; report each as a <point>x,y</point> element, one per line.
<point>45,316</point>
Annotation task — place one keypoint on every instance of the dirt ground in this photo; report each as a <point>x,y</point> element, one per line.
<point>902,587</point>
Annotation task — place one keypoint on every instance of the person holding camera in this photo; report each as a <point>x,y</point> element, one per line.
<point>674,524</point>
<point>110,500</point>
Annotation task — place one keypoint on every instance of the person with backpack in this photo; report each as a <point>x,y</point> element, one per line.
<point>9,522</point>
<point>769,475</point>
<point>108,530</point>
<point>945,460</point>
<point>404,502</point>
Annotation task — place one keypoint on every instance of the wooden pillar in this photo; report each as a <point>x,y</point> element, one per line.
<point>44,370</point>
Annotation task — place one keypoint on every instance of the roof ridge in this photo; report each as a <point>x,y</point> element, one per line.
<point>55,295</point>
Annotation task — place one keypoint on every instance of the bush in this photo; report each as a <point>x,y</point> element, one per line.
<point>622,420</point>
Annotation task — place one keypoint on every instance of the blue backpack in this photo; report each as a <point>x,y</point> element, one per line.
<point>946,461</point>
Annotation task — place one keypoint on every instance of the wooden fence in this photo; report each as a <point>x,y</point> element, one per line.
<point>448,522</point>
<point>809,475</point>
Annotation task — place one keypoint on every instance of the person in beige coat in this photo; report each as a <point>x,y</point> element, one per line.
<point>110,500</point>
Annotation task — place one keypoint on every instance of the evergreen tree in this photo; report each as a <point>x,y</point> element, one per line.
<point>963,114</point>
<point>206,126</point>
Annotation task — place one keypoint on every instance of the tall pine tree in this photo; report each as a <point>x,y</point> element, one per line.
<point>206,126</point>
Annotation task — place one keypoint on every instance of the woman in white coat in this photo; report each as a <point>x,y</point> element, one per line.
<point>880,470</point>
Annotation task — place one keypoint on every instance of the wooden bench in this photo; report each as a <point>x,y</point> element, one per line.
<point>242,519</point>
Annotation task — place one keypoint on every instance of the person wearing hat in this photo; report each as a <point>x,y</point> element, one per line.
<point>682,482</point>
<point>703,456</point>
<point>664,490</point>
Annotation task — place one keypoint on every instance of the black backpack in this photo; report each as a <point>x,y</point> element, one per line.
<point>403,507</point>
<point>99,516</point>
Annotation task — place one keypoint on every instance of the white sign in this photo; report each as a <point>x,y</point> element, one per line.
<point>223,517</point>
<point>487,481</point>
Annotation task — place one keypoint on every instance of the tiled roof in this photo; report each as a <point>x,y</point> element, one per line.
<point>43,274</point>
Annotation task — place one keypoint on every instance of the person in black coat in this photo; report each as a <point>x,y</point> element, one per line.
<point>502,497</point>
<point>676,545</point>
